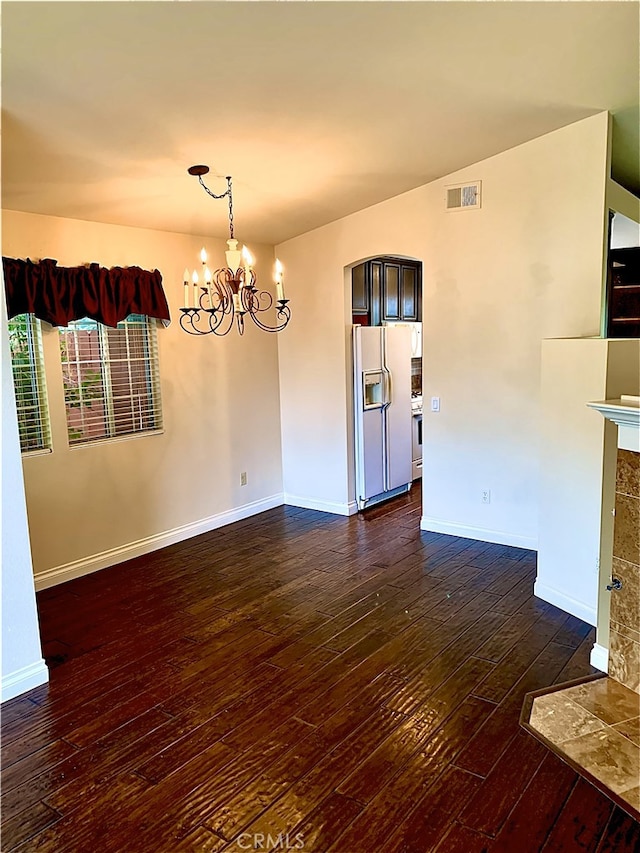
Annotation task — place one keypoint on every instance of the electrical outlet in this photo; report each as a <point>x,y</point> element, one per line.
<point>486,496</point>
<point>243,478</point>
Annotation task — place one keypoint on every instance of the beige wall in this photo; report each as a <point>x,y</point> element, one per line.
<point>526,266</point>
<point>577,472</point>
<point>95,505</point>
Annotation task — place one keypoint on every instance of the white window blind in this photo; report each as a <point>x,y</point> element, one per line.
<point>111,380</point>
<point>25,342</point>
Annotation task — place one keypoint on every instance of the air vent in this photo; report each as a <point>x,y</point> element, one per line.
<point>463,196</point>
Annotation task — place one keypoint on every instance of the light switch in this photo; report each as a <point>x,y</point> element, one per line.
<point>435,404</point>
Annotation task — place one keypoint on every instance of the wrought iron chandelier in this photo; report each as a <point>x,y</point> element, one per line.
<point>229,293</point>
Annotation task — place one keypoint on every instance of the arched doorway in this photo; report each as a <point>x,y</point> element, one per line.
<point>386,377</point>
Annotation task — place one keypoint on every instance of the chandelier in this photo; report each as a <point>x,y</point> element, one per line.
<point>229,293</point>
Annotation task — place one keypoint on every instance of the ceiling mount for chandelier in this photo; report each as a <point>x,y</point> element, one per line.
<point>229,293</point>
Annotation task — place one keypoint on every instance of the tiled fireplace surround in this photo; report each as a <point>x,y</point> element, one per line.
<point>595,724</point>
<point>624,642</point>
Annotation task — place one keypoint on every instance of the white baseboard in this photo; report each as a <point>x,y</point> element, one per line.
<point>349,508</point>
<point>95,562</point>
<point>584,611</point>
<point>599,657</point>
<point>24,679</point>
<point>498,537</point>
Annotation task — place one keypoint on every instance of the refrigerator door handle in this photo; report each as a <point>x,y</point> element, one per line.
<point>385,447</point>
<point>388,387</point>
<point>388,391</point>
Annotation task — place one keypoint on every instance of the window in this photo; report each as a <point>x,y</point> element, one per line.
<point>110,376</point>
<point>25,343</point>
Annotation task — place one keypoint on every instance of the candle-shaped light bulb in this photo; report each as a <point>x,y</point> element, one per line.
<point>203,256</point>
<point>279,278</point>
<point>185,280</point>
<point>207,283</point>
<point>248,262</point>
<point>194,278</point>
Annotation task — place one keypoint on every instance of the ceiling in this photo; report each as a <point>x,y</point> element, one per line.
<point>316,109</point>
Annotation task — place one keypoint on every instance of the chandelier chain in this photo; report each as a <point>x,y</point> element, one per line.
<point>228,192</point>
<point>230,207</point>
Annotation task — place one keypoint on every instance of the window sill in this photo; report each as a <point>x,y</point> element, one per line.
<point>45,451</point>
<point>116,439</point>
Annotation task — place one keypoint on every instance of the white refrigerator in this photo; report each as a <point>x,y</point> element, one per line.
<point>382,404</point>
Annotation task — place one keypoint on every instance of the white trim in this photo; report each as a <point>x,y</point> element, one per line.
<point>336,508</point>
<point>499,537</point>
<point>44,451</point>
<point>599,657</point>
<point>557,597</point>
<point>95,562</point>
<point>624,412</point>
<point>114,439</point>
<point>629,438</point>
<point>24,679</point>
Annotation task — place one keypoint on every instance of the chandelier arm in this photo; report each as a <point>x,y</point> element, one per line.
<point>223,325</point>
<point>189,317</point>
<point>255,297</point>
<point>282,311</point>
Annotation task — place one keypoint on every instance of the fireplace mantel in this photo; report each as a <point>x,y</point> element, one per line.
<point>625,412</point>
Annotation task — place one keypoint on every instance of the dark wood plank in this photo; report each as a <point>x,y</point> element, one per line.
<point>504,785</point>
<point>529,824</point>
<point>622,834</point>
<point>383,763</point>
<point>284,814</point>
<point>582,821</point>
<point>330,818</point>
<point>429,819</point>
<point>302,673</point>
<point>388,808</point>
<point>84,771</point>
<point>461,839</point>
<point>35,764</point>
<point>26,825</point>
<point>483,751</point>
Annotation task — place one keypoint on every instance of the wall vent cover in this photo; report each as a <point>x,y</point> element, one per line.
<point>464,196</point>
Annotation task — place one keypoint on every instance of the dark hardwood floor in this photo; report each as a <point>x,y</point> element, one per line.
<point>343,685</point>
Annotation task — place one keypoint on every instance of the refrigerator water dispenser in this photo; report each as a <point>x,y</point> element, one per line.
<point>373,389</point>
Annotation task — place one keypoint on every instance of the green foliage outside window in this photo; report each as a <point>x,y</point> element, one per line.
<point>28,380</point>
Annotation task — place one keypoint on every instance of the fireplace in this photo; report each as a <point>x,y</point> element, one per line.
<point>594,724</point>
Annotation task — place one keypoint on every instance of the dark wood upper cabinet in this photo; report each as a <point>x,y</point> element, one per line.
<point>385,289</point>
<point>623,302</point>
<point>410,296</point>
<point>391,293</point>
<point>360,289</point>
<point>375,294</point>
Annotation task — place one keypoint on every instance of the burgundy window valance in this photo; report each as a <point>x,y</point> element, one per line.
<point>59,295</point>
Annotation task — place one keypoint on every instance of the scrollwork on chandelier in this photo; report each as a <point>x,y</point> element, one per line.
<point>229,293</point>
